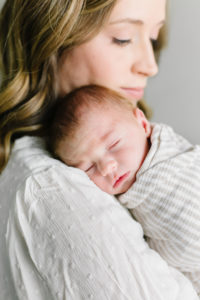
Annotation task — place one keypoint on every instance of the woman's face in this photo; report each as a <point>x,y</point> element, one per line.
<point>121,56</point>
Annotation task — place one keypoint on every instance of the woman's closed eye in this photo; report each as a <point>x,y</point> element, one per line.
<point>121,42</point>
<point>125,42</point>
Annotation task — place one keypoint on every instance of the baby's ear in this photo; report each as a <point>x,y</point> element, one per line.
<point>142,120</point>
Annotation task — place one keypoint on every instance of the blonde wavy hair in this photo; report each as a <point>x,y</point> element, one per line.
<point>33,34</point>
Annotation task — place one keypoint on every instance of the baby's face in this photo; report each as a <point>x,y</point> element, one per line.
<point>110,147</point>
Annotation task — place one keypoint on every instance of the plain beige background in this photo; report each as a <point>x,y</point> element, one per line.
<point>174,94</point>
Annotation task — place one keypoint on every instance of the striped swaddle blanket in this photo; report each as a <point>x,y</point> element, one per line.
<point>165,199</point>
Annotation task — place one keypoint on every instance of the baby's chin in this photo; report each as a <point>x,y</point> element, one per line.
<point>113,192</point>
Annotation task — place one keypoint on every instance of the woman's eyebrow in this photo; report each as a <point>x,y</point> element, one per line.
<point>133,21</point>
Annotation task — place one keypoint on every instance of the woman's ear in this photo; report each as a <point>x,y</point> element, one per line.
<point>142,120</point>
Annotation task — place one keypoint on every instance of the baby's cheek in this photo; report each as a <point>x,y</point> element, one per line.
<point>126,155</point>
<point>97,180</point>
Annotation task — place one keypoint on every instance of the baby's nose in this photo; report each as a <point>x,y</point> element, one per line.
<point>108,167</point>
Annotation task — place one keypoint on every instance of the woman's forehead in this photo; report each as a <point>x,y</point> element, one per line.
<point>138,11</point>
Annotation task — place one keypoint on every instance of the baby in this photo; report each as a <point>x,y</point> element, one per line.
<point>153,171</point>
<point>98,131</point>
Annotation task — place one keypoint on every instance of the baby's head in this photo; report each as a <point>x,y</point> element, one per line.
<point>100,132</point>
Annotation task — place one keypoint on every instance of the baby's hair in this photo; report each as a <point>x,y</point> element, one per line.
<point>71,111</point>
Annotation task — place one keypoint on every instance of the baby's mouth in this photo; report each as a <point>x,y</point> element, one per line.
<point>121,179</point>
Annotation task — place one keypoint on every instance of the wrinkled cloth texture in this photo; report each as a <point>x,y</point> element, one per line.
<point>165,199</point>
<point>66,239</point>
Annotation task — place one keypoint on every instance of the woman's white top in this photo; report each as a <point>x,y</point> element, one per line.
<point>66,239</point>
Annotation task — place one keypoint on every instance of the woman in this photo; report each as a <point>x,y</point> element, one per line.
<point>66,239</point>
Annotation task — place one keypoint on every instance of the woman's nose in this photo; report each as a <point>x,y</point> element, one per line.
<point>107,167</point>
<point>146,63</point>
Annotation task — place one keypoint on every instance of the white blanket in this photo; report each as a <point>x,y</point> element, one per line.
<point>165,199</point>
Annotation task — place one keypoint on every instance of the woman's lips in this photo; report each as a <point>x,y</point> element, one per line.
<point>136,93</point>
<point>121,179</point>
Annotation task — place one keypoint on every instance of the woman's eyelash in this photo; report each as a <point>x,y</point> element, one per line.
<point>125,42</point>
<point>121,42</point>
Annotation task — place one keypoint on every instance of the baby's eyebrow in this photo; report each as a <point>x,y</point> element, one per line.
<point>107,135</point>
<point>79,163</point>
<point>70,161</point>
<point>76,164</point>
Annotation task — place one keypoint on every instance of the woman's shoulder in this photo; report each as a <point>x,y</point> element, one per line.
<point>32,173</point>
<point>30,152</point>
<point>29,156</point>
<point>32,166</point>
